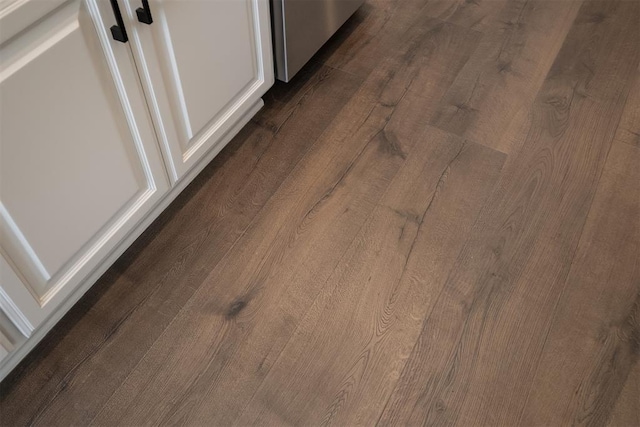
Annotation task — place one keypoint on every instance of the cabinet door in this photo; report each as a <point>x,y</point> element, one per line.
<point>79,163</point>
<point>205,64</point>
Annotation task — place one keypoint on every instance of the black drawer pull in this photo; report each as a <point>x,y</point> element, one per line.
<point>118,31</point>
<point>144,13</point>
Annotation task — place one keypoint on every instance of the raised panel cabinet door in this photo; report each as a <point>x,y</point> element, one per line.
<point>205,65</point>
<point>79,161</point>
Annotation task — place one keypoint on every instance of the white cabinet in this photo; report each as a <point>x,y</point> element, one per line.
<point>206,64</point>
<point>79,165</point>
<point>94,132</point>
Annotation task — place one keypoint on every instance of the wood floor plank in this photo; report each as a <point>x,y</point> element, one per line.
<point>474,14</point>
<point>507,70</point>
<point>435,52</point>
<point>351,345</point>
<point>373,33</point>
<point>284,100</point>
<point>629,127</point>
<point>439,66</point>
<point>130,307</point>
<point>627,411</point>
<point>597,326</point>
<point>270,278</point>
<point>479,347</point>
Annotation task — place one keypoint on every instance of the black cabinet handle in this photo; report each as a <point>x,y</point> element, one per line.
<point>144,13</point>
<point>118,31</point>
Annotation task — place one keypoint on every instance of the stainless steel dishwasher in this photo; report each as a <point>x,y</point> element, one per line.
<point>301,27</point>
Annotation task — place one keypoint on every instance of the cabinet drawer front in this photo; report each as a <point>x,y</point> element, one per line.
<point>205,64</point>
<point>78,163</point>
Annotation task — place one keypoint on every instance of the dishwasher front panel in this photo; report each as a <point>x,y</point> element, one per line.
<point>301,27</point>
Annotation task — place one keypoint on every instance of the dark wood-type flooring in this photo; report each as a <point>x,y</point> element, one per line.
<point>436,223</point>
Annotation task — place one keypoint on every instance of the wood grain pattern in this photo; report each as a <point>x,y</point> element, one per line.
<point>505,73</point>
<point>629,127</point>
<point>600,346</point>
<point>492,318</point>
<point>626,411</point>
<point>372,305</point>
<point>374,32</point>
<point>477,15</point>
<point>363,252</point>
